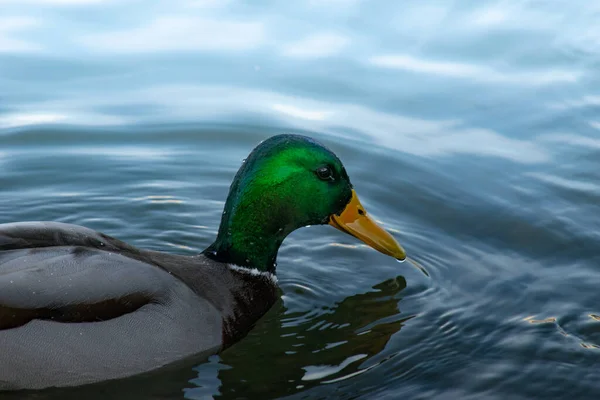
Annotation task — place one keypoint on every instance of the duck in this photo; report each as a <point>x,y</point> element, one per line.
<point>79,307</point>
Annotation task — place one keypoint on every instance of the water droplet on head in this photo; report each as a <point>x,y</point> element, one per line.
<point>248,260</point>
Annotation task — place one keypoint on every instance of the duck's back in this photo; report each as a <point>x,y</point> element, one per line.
<point>77,307</point>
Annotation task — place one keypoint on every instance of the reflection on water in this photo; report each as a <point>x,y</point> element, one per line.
<point>301,350</point>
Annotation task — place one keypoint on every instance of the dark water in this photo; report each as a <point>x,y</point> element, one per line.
<point>470,129</point>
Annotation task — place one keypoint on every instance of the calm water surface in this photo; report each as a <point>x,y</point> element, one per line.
<point>470,129</point>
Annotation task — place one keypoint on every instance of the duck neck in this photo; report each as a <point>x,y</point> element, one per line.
<point>250,234</point>
<point>258,250</point>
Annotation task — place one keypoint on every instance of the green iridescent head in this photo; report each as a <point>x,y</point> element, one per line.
<point>287,182</point>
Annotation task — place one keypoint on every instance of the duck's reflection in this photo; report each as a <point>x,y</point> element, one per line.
<point>291,352</point>
<point>284,354</point>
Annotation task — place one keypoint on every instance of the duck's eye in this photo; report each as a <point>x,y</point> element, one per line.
<point>325,173</point>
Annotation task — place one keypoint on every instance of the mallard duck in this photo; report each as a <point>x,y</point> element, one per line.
<point>78,306</point>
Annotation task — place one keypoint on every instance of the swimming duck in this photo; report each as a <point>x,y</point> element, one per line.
<point>78,306</point>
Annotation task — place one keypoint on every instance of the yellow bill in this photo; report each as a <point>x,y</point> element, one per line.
<point>355,221</point>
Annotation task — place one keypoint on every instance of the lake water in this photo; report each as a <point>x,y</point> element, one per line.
<point>470,129</point>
